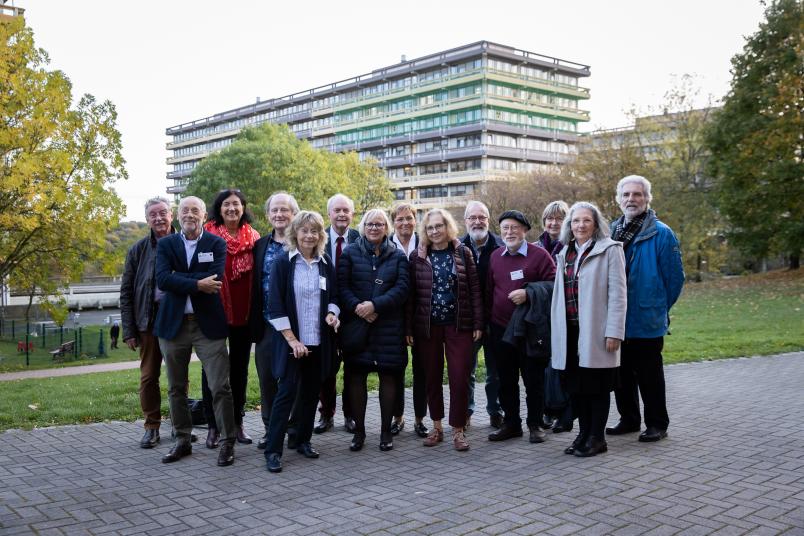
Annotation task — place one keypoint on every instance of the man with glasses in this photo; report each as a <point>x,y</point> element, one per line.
<point>511,267</point>
<point>482,242</point>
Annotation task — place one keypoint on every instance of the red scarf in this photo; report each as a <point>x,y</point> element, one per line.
<point>238,248</point>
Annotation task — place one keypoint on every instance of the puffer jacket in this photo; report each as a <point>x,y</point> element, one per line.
<point>137,287</point>
<point>468,299</point>
<point>383,280</point>
<point>655,278</point>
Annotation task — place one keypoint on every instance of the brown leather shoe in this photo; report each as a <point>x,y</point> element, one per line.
<point>459,441</point>
<point>435,437</point>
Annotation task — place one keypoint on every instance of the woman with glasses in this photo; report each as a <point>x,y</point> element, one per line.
<point>303,313</point>
<point>373,287</point>
<point>444,316</point>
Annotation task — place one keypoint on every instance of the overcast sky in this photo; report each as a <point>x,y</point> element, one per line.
<point>170,62</point>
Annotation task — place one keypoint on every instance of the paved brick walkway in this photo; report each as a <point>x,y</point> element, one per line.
<point>733,464</point>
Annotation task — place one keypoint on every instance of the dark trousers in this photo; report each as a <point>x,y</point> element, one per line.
<point>357,392</point>
<point>642,372</point>
<point>510,364</point>
<point>592,412</point>
<point>492,386</point>
<point>303,374</point>
<point>329,394</point>
<point>150,368</point>
<point>457,345</point>
<point>239,355</point>
<point>419,388</point>
<point>263,353</point>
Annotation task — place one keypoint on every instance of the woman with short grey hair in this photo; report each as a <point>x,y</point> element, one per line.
<point>588,321</point>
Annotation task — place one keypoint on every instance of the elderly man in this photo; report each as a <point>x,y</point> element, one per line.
<point>189,270</point>
<point>482,243</point>
<point>340,210</point>
<point>511,267</point>
<point>655,279</point>
<point>139,300</point>
<point>280,209</point>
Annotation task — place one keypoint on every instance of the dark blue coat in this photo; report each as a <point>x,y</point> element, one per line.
<point>282,303</point>
<point>178,281</point>
<point>383,280</point>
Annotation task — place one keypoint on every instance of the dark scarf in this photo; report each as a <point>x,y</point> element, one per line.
<point>625,232</point>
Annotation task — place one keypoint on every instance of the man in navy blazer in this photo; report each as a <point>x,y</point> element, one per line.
<point>189,271</point>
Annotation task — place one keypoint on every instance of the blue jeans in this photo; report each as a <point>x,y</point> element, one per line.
<point>304,375</point>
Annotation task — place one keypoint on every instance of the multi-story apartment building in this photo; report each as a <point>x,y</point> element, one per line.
<point>440,125</point>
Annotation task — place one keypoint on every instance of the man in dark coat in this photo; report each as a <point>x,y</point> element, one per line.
<point>482,243</point>
<point>139,299</point>
<point>189,270</point>
<point>341,211</point>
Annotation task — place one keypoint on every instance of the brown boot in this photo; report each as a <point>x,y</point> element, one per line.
<point>436,436</point>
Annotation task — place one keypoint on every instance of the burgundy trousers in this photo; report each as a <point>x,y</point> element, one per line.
<point>459,348</point>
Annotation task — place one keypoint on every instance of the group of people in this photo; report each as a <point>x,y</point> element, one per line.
<point>589,302</point>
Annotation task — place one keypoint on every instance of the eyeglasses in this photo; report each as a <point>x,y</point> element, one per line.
<point>374,225</point>
<point>511,228</point>
<point>474,219</point>
<point>434,228</point>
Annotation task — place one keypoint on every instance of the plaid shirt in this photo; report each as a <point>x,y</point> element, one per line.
<point>571,280</point>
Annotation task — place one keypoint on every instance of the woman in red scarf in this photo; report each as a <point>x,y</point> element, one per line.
<point>230,220</point>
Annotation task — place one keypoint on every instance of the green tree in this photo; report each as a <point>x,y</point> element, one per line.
<point>757,138</point>
<point>58,161</point>
<point>269,157</point>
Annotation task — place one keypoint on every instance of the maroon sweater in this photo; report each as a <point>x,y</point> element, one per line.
<point>537,266</point>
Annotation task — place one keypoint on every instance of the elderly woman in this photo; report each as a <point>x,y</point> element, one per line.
<point>373,287</point>
<point>444,315</point>
<point>304,315</point>
<point>230,220</point>
<point>588,321</point>
<point>552,217</point>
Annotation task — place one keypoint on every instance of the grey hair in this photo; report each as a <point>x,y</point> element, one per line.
<point>370,215</point>
<point>555,207</point>
<point>638,179</point>
<point>155,201</point>
<point>601,223</point>
<point>294,206</point>
<point>313,219</point>
<point>335,197</point>
<point>194,198</point>
<point>471,204</point>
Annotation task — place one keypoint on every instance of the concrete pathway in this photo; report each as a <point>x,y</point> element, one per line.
<point>732,464</point>
<point>73,371</point>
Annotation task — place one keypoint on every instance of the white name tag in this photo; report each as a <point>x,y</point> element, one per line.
<point>517,274</point>
<point>322,282</point>
<point>205,257</point>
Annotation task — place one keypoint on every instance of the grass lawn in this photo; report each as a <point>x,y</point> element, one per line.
<point>752,315</point>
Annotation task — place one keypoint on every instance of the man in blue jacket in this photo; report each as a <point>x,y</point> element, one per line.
<point>655,278</point>
<point>189,271</point>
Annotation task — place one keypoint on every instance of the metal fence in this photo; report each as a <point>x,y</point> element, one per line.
<point>25,344</point>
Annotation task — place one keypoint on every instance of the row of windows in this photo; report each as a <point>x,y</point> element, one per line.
<point>533,120</point>
<point>424,147</point>
<point>202,147</point>
<point>531,96</point>
<point>529,71</point>
<point>185,166</point>
<point>534,144</point>
<point>432,169</point>
<point>454,190</point>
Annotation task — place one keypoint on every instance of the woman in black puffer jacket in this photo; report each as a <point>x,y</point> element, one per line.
<point>373,287</point>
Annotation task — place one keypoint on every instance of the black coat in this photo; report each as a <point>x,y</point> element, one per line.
<point>282,303</point>
<point>383,280</point>
<point>529,328</point>
<point>482,260</point>
<point>256,320</point>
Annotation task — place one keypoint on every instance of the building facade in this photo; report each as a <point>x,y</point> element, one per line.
<point>440,125</point>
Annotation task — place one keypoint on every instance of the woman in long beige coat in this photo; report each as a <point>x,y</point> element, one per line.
<point>588,321</point>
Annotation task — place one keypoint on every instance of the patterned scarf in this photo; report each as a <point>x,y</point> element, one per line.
<point>237,247</point>
<point>571,271</point>
<point>625,232</point>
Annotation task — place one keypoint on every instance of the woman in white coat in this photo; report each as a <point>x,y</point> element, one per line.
<point>588,321</point>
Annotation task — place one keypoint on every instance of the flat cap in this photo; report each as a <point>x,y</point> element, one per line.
<point>514,215</point>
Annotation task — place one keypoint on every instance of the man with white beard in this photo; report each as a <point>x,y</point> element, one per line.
<point>482,243</point>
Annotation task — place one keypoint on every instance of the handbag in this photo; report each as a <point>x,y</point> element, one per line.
<point>353,336</point>
<point>555,398</point>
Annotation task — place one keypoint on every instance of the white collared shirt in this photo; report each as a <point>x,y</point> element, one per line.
<point>523,250</point>
<point>406,250</point>
<point>189,249</point>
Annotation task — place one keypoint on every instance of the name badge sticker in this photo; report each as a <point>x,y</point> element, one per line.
<point>517,274</point>
<point>205,257</point>
<point>322,282</point>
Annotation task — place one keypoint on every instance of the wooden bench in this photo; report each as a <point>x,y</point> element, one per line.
<point>64,348</point>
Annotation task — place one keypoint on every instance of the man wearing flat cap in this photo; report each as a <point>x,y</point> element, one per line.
<point>511,267</point>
